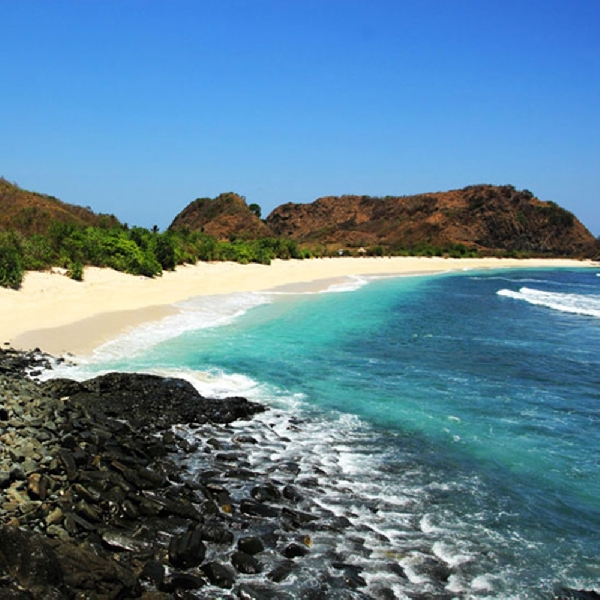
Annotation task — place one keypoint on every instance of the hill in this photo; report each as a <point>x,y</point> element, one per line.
<point>223,217</point>
<point>479,217</point>
<point>32,213</point>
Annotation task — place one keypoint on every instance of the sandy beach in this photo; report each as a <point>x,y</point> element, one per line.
<point>61,316</point>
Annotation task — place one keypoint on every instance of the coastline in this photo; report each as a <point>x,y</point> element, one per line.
<point>168,521</point>
<point>60,316</point>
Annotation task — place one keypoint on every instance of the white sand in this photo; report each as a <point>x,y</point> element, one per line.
<point>59,315</point>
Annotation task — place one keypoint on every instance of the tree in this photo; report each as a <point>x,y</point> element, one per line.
<point>255,208</point>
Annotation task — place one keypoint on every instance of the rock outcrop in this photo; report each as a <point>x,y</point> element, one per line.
<point>101,497</point>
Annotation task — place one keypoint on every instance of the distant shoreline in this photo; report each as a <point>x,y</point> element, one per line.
<point>60,316</point>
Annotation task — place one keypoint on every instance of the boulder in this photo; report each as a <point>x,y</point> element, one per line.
<point>30,560</point>
<point>187,550</point>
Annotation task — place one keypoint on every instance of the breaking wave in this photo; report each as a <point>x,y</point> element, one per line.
<point>580,304</point>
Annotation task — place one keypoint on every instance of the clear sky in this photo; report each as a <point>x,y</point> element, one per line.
<point>137,107</point>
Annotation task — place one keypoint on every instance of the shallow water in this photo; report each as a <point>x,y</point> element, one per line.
<point>453,419</point>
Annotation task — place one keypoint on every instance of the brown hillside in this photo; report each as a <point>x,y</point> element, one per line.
<point>30,212</point>
<point>485,217</point>
<point>222,217</point>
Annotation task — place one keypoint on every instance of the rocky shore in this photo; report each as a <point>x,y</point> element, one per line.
<point>135,486</point>
<point>96,501</point>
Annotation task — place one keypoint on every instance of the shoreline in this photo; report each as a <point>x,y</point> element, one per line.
<point>61,316</point>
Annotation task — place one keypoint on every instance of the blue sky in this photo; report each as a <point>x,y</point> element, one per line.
<point>137,107</point>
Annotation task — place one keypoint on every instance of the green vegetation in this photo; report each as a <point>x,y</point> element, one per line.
<point>557,216</point>
<point>135,250</point>
<point>11,268</point>
<point>255,208</point>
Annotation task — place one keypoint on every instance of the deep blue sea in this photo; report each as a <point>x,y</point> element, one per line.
<point>454,419</point>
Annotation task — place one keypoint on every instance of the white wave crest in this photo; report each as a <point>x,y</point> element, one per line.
<point>201,312</point>
<point>579,304</point>
<point>353,283</point>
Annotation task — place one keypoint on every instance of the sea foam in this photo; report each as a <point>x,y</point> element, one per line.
<point>581,304</point>
<point>201,312</point>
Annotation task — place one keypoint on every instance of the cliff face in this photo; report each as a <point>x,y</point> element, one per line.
<point>480,216</point>
<point>30,212</point>
<point>222,217</point>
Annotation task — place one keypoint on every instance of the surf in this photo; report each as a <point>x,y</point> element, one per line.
<point>579,304</point>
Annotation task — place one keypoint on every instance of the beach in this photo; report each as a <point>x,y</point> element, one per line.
<point>60,316</point>
<point>390,437</point>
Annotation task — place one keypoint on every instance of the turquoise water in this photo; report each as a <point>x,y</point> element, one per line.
<point>463,410</point>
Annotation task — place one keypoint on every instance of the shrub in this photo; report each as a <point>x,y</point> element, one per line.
<point>164,251</point>
<point>75,271</point>
<point>11,267</point>
<point>38,254</point>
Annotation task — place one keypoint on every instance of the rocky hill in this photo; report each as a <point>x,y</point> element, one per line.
<point>225,216</point>
<point>485,218</point>
<point>31,212</point>
<point>482,217</point>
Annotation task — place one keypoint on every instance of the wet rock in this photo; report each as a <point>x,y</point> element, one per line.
<point>256,509</point>
<point>229,456</point>
<point>297,518</point>
<point>246,563</point>
<point>250,545</point>
<point>245,474</point>
<point>573,594</point>
<point>435,569</point>
<point>219,574</point>
<point>115,539</point>
<point>153,571</point>
<point>98,466</point>
<point>85,570</point>
<point>154,401</point>
<point>294,550</point>
<point>247,592</point>
<point>30,560</point>
<point>89,494</point>
<point>351,574</point>
<point>75,524</point>
<point>187,550</point>
<point>216,532</point>
<point>292,493</point>
<point>180,507</point>
<point>397,570</point>
<point>218,494</point>
<point>265,493</point>
<point>244,439</point>
<point>290,467</point>
<point>282,571</point>
<point>181,581</point>
<point>87,512</point>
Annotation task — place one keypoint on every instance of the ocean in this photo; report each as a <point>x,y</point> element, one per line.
<point>452,419</point>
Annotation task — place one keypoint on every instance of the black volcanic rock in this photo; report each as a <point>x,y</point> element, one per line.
<point>152,400</point>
